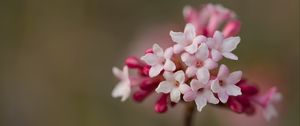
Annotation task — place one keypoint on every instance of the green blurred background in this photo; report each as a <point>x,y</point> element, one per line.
<point>57,55</point>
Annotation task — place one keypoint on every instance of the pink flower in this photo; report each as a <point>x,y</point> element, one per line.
<point>186,40</point>
<point>123,88</point>
<point>174,84</point>
<point>222,47</point>
<point>225,83</point>
<point>200,93</point>
<point>159,60</point>
<point>266,103</point>
<point>198,60</point>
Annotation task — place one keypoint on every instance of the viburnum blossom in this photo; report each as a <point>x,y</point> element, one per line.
<point>189,72</point>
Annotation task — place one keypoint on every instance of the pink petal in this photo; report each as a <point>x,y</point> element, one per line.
<point>191,71</point>
<point>158,50</point>
<point>230,56</point>
<point>211,97</point>
<point>211,43</point>
<point>189,96</point>
<point>196,85</point>
<point>155,70</point>
<point>223,96</point>
<point>183,88</point>
<point>200,102</point>
<point>202,52</point>
<point>233,90</point>
<point>188,59</point>
<point>150,59</point>
<point>189,31</point>
<point>164,87</point>
<point>179,76</point>
<point>175,95</point>
<point>210,64</point>
<point>169,76</point>
<point>177,37</point>
<point>216,55</point>
<point>168,53</point>
<point>169,65</point>
<point>192,48</point>
<point>234,77</point>
<point>229,44</point>
<point>200,39</point>
<point>215,86</point>
<point>178,48</point>
<point>218,37</point>
<point>203,75</point>
<point>223,72</point>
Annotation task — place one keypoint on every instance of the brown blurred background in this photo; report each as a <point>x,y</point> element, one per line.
<point>56,58</point>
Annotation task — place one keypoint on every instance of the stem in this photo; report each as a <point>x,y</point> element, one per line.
<point>189,114</point>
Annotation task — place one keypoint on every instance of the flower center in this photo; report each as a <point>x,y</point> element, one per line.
<point>199,64</point>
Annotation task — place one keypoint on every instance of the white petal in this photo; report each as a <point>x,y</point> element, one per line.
<point>223,96</point>
<point>150,59</point>
<point>230,56</point>
<point>191,71</point>
<point>188,59</point>
<point>168,53</point>
<point>200,39</point>
<point>158,50</point>
<point>118,73</point>
<point>169,65</point>
<point>270,112</point>
<point>179,76</point>
<point>229,44</point>
<point>211,97</point>
<point>215,86</point>
<point>183,88</point>
<point>155,70</point>
<point>178,48</point>
<point>234,77</point>
<point>175,95</point>
<point>210,64</point>
<point>202,52</point>
<point>200,102</point>
<point>192,48</point>
<point>203,75</point>
<point>164,87</point>
<point>189,31</point>
<point>233,90</point>
<point>121,90</point>
<point>169,76</point>
<point>189,96</point>
<point>211,43</point>
<point>216,55</point>
<point>218,37</point>
<point>177,37</point>
<point>223,72</point>
<point>196,85</point>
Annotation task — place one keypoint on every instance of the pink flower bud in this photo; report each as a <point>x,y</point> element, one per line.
<point>133,62</point>
<point>232,28</point>
<point>161,105</point>
<point>140,95</point>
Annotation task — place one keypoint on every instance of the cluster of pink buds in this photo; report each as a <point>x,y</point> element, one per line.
<point>189,70</point>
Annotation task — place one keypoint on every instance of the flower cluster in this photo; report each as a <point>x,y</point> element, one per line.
<point>190,69</point>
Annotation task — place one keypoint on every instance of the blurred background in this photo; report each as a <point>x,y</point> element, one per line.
<point>56,59</point>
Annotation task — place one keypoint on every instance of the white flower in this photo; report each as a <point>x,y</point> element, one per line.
<point>201,93</point>
<point>174,84</point>
<point>123,88</point>
<point>225,82</point>
<point>186,40</point>
<point>222,47</point>
<point>159,60</point>
<point>199,60</point>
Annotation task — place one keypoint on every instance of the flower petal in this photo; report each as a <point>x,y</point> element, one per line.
<point>121,90</point>
<point>189,31</point>
<point>196,85</point>
<point>183,88</point>
<point>229,44</point>
<point>202,52</point>
<point>233,90</point>
<point>178,48</point>
<point>223,72</point>
<point>216,55</point>
<point>215,86</point>
<point>188,59</point>
<point>192,48</point>
<point>203,75</point>
<point>234,77</point>
<point>118,73</point>
<point>169,65</point>
<point>164,87</point>
<point>168,53</point>
<point>157,50</point>
<point>189,96</point>
<point>155,70</point>
<point>200,39</point>
<point>179,76</point>
<point>191,71</point>
<point>150,59</point>
<point>177,37</point>
<point>230,56</point>
<point>218,37</point>
<point>200,102</point>
<point>223,96</point>
<point>211,97</point>
<point>175,95</point>
<point>210,64</point>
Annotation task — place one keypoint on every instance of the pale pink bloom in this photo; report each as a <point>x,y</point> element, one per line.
<point>123,88</point>
<point>266,102</point>
<point>159,60</point>
<point>174,84</point>
<point>186,40</point>
<point>222,47</point>
<point>198,60</point>
<point>225,84</point>
<point>200,93</point>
